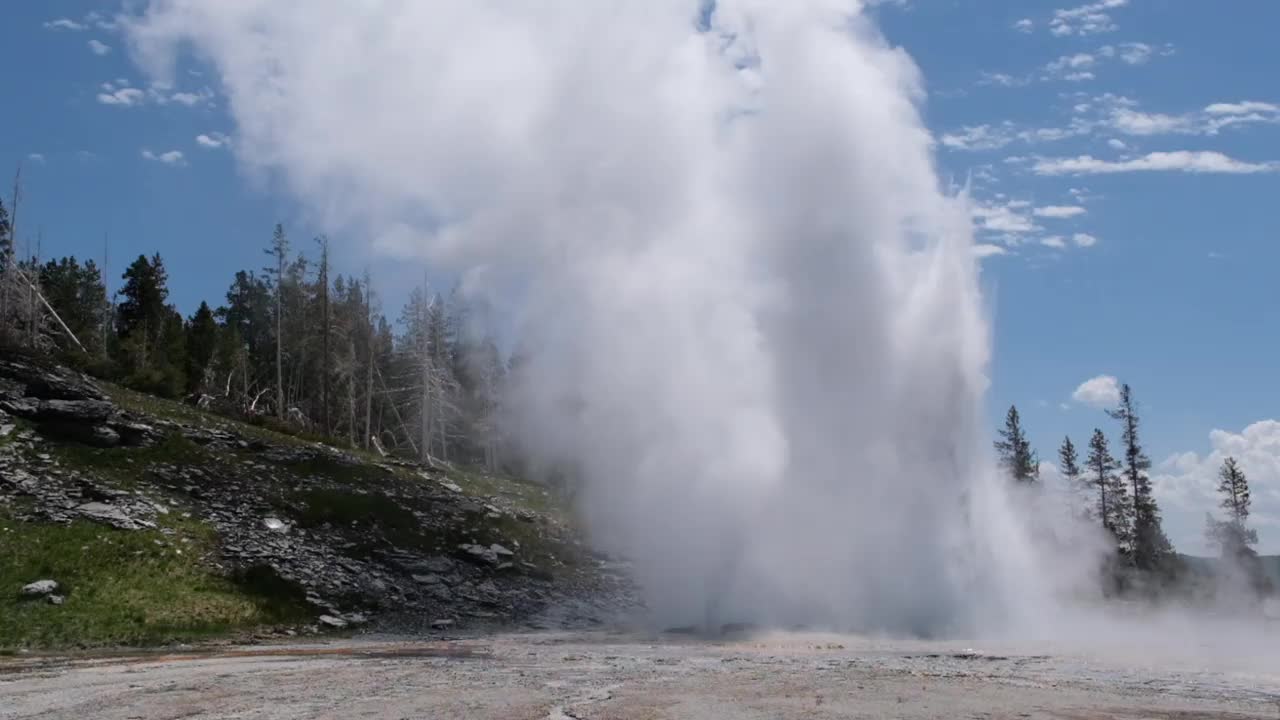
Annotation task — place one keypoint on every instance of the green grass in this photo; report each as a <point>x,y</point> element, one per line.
<point>128,588</point>
<point>123,466</point>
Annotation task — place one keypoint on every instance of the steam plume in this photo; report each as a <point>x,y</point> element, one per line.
<point>754,315</point>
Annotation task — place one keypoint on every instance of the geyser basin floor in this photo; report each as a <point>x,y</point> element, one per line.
<point>596,675</point>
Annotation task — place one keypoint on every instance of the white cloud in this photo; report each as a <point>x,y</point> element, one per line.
<point>1176,161</point>
<point>190,99</point>
<point>986,250</point>
<point>65,24</point>
<point>1003,80</point>
<point>1068,65</point>
<point>1004,218</point>
<point>1135,53</point>
<point>1102,391</point>
<point>213,140</point>
<point>1242,108</point>
<point>1054,241</point>
<point>172,157</point>
<point>1059,211</point>
<point>1133,122</point>
<point>1086,19</point>
<point>36,158</point>
<point>123,97</point>
<point>1185,485</point>
<point>978,137</point>
<point>1025,25</point>
<point>1084,240</point>
<point>98,47</point>
<point>1117,144</point>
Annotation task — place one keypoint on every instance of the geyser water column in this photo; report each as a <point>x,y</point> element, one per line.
<point>753,318</point>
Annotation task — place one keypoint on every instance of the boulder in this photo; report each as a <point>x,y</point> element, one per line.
<point>442,624</point>
<point>330,621</point>
<point>39,588</point>
<point>50,383</point>
<point>56,599</point>
<point>111,515</point>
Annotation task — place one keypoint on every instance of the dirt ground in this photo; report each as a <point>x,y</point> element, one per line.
<point>604,676</point>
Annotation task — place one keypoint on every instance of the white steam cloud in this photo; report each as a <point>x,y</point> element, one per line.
<point>754,317</point>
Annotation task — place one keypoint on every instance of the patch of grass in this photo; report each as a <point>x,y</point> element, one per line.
<point>124,466</point>
<point>126,588</point>
<point>523,493</point>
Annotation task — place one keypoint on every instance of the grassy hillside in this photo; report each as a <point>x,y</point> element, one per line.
<point>192,576</point>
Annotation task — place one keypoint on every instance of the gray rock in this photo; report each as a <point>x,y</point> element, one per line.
<point>40,587</point>
<point>429,579</point>
<point>5,429</point>
<point>501,551</point>
<point>336,623</point>
<point>103,436</point>
<point>56,599</point>
<point>451,487</point>
<point>442,624</point>
<point>111,515</point>
<point>275,525</point>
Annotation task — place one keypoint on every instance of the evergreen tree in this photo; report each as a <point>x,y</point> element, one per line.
<point>1113,501</point>
<point>140,316</point>
<point>1233,535</point>
<point>202,342</point>
<point>1069,466</point>
<point>1014,450</point>
<point>78,295</point>
<point>1150,548</point>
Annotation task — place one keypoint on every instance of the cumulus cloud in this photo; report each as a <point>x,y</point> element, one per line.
<point>1054,241</point>
<point>1102,391</point>
<point>171,157</point>
<point>1177,161</point>
<point>99,48</point>
<point>1185,485</point>
<point>1084,240</point>
<point>1025,25</point>
<point>213,140</point>
<point>1059,211</point>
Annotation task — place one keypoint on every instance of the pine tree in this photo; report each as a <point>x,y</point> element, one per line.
<point>1233,535</point>
<point>79,297</point>
<point>1069,466</point>
<point>1014,450</point>
<point>1113,502</point>
<point>1150,547</point>
<point>202,342</point>
<point>140,316</point>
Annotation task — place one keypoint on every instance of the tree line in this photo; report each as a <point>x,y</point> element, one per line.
<point>1119,497</point>
<point>293,345</point>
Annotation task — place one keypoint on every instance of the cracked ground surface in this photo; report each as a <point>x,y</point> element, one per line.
<point>630,677</point>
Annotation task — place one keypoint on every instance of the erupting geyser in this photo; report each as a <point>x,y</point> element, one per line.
<point>753,315</point>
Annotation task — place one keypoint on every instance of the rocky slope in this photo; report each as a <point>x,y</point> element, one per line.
<point>352,537</point>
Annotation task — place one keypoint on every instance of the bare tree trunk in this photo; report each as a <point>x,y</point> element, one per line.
<point>372,357</point>
<point>9,256</point>
<point>324,336</point>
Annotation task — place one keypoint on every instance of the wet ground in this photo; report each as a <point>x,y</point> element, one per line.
<point>632,677</point>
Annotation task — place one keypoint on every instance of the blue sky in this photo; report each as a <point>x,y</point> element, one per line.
<point>1121,154</point>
